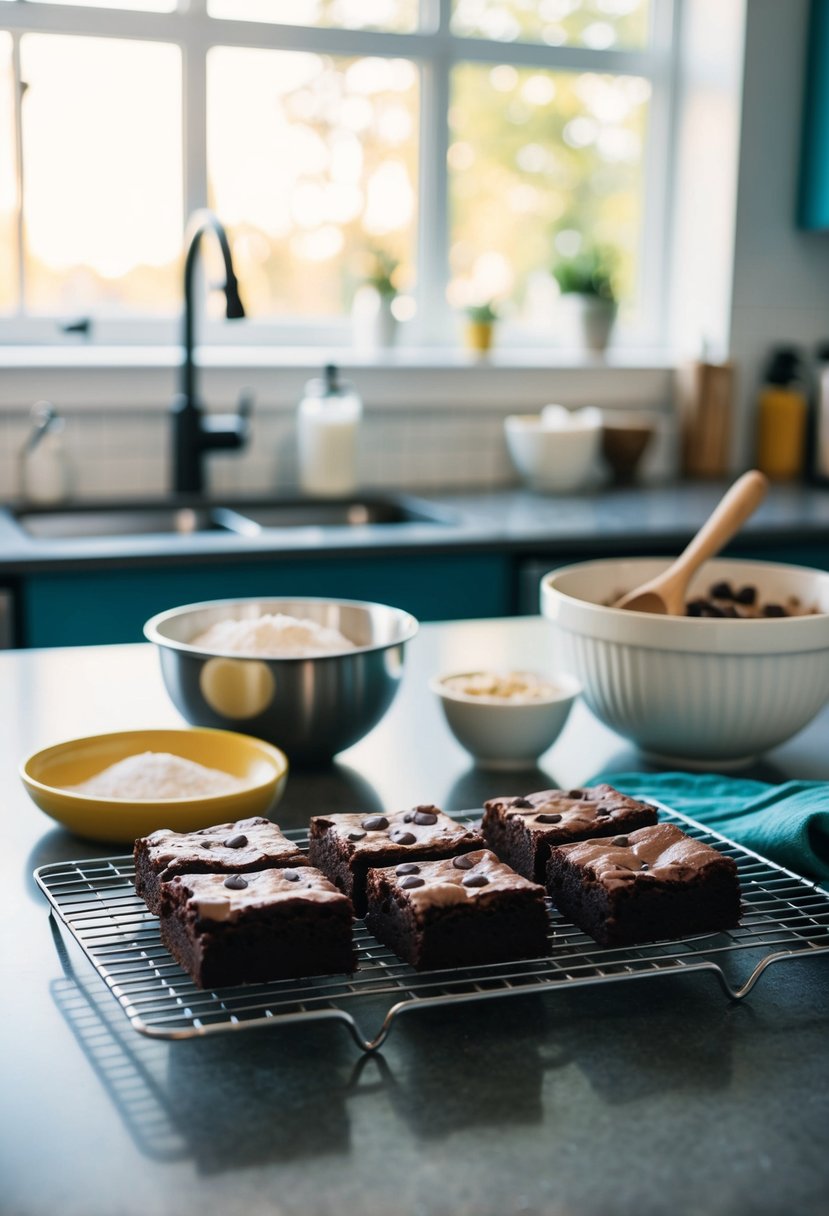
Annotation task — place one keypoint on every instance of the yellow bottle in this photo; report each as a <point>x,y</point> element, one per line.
<point>781,418</point>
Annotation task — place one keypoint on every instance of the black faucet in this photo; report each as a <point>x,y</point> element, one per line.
<point>194,432</point>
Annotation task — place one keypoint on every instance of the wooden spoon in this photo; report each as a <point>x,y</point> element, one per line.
<point>665,594</point>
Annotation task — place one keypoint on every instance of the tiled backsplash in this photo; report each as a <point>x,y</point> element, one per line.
<point>125,453</point>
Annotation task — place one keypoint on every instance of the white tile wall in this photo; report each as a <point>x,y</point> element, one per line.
<point>126,454</point>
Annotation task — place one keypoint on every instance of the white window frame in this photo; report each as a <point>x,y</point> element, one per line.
<point>435,50</point>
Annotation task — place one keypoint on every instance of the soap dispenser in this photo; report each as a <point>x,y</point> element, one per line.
<point>44,465</point>
<point>327,425</point>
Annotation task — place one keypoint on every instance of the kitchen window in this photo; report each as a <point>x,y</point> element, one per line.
<point>461,145</point>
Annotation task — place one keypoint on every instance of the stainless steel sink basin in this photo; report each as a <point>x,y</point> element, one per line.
<point>90,522</point>
<point>108,520</point>
<point>253,518</point>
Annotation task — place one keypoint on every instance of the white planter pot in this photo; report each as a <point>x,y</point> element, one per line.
<point>595,319</point>
<point>374,325</point>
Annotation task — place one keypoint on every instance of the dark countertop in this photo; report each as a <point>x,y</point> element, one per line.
<point>653,518</point>
<point>639,1099</point>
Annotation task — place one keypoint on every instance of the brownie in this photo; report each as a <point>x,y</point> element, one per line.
<point>655,883</point>
<point>465,909</point>
<point>345,847</point>
<point>225,848</point>
<point>523,830</point>
<point>269,924</point>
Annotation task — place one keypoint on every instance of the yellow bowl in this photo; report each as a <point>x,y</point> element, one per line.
<point>47,773</point>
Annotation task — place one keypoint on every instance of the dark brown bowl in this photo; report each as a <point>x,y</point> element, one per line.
<point>623,448</point>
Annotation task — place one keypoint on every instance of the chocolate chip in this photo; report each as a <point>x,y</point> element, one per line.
<point>235,882</point>
<point>774,610</point>
<point>205,844</point>
<point>408,867</point>
<point>475,880</point>
<point>409,883</point>
<point>236,842</point>
<point>575,794</point>
<point>722,591</point>
<point>602,811</point>
<point>404,838</point>
<point>462,863</point>
<point>356,835</point>
<point>408,817</point>
<point>621,841</point>
<point>425,818</point>
<point>645,865</point>
<point>522,802</point>
<point>695,607</point>
<point>375,823</point>
<point>545,818</point>
<point>290,875</point>
<point>746,595</point>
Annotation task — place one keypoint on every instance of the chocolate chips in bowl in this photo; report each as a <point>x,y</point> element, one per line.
<point>742,603</point>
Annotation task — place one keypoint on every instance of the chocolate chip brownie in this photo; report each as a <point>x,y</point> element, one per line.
<point>345,847</point>
<point>262,925</point>
<point>523,830</point>
<point>225,848</point>
<point>463,910</point>
<point>654,883</point>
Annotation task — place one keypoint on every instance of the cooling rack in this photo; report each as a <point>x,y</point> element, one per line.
<point>784,917</point>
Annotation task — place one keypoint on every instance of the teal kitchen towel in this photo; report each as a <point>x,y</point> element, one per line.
<point>787,823</point>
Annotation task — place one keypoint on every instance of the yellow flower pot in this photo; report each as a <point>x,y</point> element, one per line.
<point>479,336</point>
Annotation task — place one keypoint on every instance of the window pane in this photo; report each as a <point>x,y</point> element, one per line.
<point>543,165</point>
<point>8,182</point>
<point>600,24</point>
<point>397,15</point>
<point>102,174</point>
<point>312,165</point>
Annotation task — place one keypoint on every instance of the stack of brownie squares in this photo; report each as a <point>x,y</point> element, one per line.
<point>611,868</point>
<point>238,902</point>
<point>429,888</point>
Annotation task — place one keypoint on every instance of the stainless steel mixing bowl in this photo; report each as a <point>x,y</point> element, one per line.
<point>312,708</point>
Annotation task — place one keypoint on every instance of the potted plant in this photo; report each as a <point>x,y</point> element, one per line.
<point>588,279</point>
<point>374,322</point>
<point>480,323</point>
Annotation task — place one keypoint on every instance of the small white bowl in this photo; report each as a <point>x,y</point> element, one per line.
<point>704,692</point>
<point>503,734</point>
<point>553,460</point>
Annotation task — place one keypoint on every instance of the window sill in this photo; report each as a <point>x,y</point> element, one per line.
<point>115,377</point>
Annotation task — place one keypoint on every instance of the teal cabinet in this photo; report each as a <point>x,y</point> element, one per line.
<point>76,608</point>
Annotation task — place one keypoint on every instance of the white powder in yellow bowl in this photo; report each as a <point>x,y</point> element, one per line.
<point>274,636</point>
<point>157,775</point>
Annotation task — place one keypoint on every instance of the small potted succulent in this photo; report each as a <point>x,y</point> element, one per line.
<point>480,325</point>
<point>374,322</point>
<point>588,278</point>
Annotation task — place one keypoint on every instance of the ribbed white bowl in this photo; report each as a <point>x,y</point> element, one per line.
<point>704,691</point>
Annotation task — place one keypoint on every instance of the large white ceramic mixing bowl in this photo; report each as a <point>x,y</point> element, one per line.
<point>705,692</point>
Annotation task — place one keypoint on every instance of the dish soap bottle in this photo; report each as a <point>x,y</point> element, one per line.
<point>782,417</point>
<point>44,467</point>
<point>327,425</point>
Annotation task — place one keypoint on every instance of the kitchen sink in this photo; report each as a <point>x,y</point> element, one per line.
<point>331,513</point>
<point>98,521</point>
<point>108,520</point>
